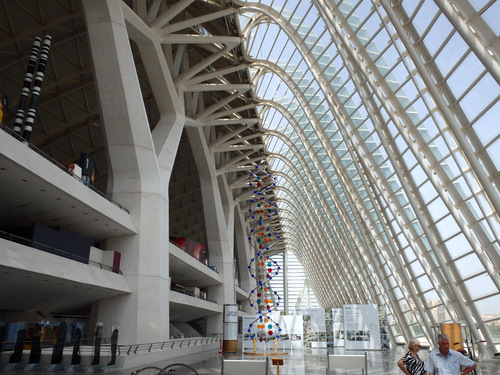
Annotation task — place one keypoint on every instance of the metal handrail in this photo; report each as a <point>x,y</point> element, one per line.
<point>86,345</point>
<point>56,163</point>
<point>170,344</point>
<point>191,294</point>
<point>105,346</point>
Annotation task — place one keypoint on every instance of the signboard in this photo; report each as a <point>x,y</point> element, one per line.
<point>361,327</point>
<point>291,336</point>
<point>314,327</point>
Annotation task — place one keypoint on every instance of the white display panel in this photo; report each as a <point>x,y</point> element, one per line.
<point>292,336</point>
<point>230,322</point>
<point>230,331</point>
<point>314,327</point>
<point>361,327</point>
<point>338,326</point>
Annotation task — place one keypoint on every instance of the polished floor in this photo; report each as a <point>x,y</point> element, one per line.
<point>296,362</point>
<point>305,362</point>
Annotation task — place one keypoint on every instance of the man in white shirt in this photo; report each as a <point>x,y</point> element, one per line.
<point>444,361</point>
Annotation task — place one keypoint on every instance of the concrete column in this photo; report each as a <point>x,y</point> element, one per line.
<point>244,251</point>
<point>220,248</point>
<point>134,181</point>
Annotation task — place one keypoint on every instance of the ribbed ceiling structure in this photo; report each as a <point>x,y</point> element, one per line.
<point>381,123</point>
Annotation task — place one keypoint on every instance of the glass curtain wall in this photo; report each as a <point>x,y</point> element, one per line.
<point>295,290</point>
<point>381,122</point>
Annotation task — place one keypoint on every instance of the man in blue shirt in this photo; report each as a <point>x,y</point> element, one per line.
<point>444,361</point>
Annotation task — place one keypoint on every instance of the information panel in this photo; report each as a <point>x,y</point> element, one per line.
<point>338,326</point>
<point>314,326</point>
<point>361,327</point>
<point>292,336</point>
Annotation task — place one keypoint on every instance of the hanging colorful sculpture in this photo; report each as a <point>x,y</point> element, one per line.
<point>263,212</point>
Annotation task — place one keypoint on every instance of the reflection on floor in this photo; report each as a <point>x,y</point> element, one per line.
<point>306,362</point>
<point>296,362</point>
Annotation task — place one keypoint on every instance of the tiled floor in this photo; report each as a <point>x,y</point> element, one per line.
<point>305,362</point>
<point>296,362</point>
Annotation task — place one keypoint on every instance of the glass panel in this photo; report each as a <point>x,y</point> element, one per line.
<point>440,314</point>
<point>478,4</point>
<point>494,330</point>
<point>494,154</point>
<point>409,317</point>
<point>437,34</point>
<point>486,127</point>
<point>431,298</point>
<point>437,209</point>
<point>424,283</point>
<point>490,16</point>
<point>451,54</point>
<point>447,227</point>
<point>480,286</point>
<point>417,268</point>
<point>465,74</point>
<point>469,265</point>
<point>424,15</point>
<point>416,330</point>
<point>489,306</point>
<point>479,97</point>
<point>458,246</point>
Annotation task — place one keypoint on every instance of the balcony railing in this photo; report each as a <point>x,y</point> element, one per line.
<point>171,344</point>
<point>56,163</point>
<point>87,347</point>
<point>55,251</point>
<point>189,293</point>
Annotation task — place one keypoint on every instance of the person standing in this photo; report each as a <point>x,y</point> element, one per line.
<point>411,364</point>
<point>445,361</point>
